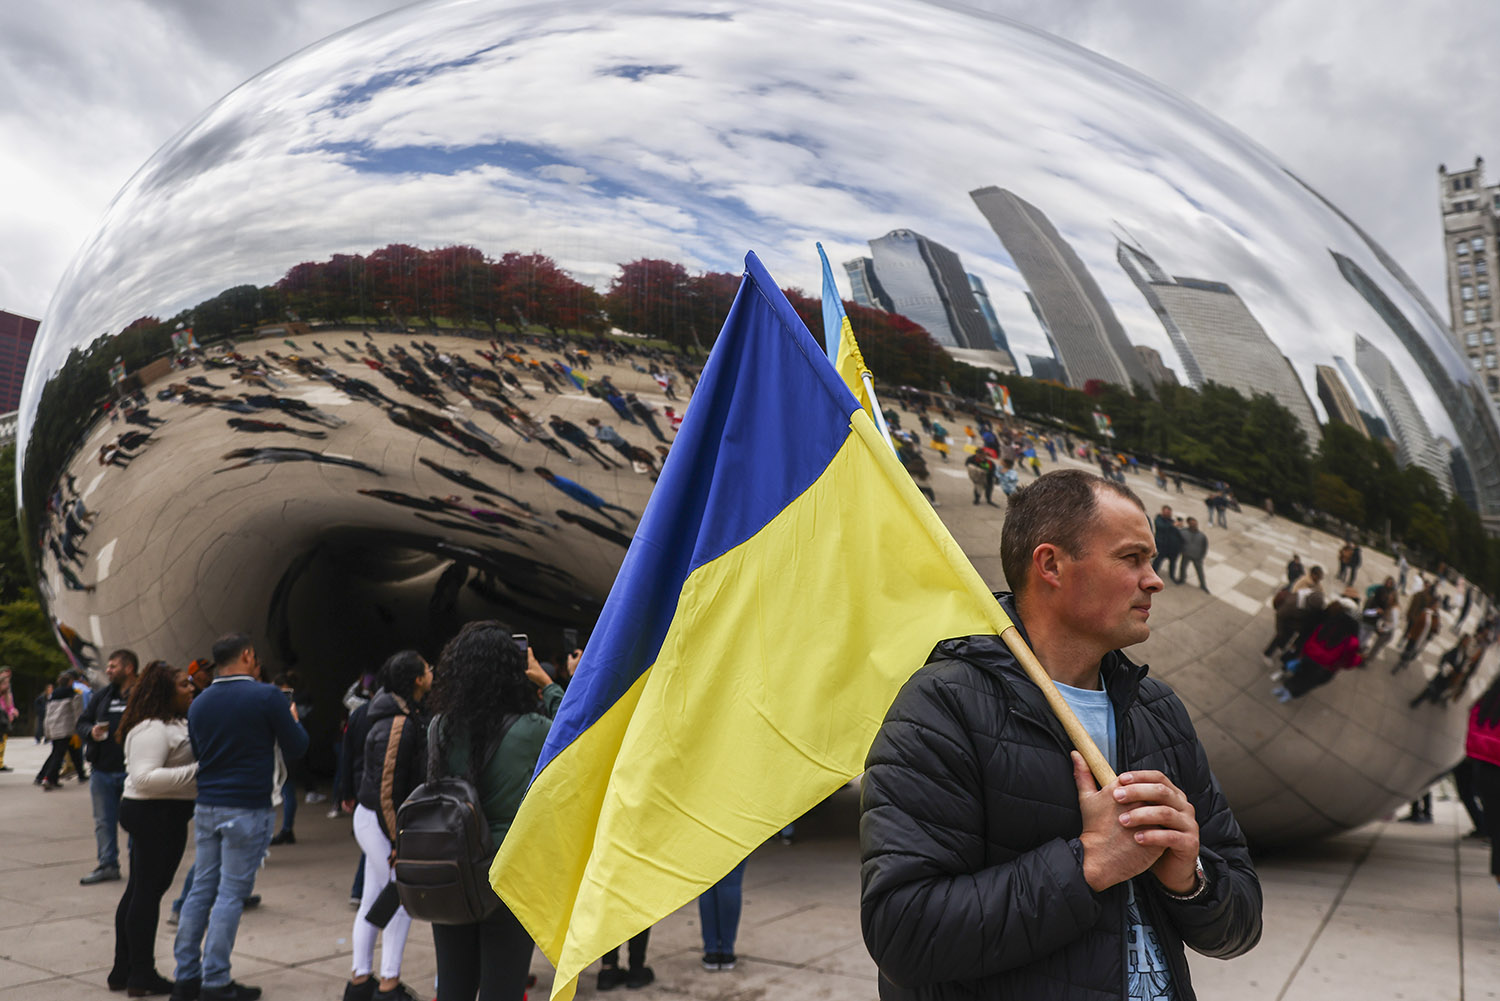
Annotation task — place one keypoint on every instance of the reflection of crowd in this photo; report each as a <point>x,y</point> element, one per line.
<point>1317,636</point>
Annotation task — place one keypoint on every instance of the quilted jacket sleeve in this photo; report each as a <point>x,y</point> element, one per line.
<point>931,909</point>
<point>1226,921</point>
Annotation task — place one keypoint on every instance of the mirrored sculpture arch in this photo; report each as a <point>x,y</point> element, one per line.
<point>336,294</point>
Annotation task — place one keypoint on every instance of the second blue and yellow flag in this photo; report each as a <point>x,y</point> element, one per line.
<point>786,578</point>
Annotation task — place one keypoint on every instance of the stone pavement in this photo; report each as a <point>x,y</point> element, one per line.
<point>1390,910</point>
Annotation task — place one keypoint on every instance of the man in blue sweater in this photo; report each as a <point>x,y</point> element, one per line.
<point>235,726</point>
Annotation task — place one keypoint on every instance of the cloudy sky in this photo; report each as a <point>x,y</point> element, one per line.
<point>1361,98</point>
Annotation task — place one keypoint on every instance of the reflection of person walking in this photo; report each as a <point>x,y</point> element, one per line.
<point>582,494</point>
<point>981,470</point>
<point>1194,548</point>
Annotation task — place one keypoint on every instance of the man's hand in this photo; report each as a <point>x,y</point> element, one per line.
<point>1161,817</point>
<point>99,731</point>
<point>573,659</point>
<point>1112,853</point>
<point>295,715</point>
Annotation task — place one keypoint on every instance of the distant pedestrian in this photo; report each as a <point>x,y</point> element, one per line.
<point>1194,548</point>
<point>8,714</point>
<point>1168,543</point>
<point>97,726</point>
<point>1483,749</point>
<point>981,470</point>
<point>1294,570</point>
<point>63,709</point>
<point>1008,478</point>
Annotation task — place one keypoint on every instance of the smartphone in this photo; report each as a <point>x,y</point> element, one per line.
<point>570,640</point>
<point>521,640</point>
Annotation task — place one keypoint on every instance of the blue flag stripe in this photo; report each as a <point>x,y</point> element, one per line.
<point>762,427</point>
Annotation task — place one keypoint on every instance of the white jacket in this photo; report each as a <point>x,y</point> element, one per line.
<point>159,761</point>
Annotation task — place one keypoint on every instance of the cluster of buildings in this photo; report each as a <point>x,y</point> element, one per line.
<point>16,334</point>
<point>1213,333</point>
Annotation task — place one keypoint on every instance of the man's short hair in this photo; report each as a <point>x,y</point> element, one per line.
<point>126,657</point>
<point>227,649</point>
<point>1058,508</point>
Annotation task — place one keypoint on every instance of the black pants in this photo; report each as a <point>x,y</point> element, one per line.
<point>636,952</point>
<point>1487,788</point>
<point>158,830</point>
<point>490,960</point>
<point>53,768</point>
<point>1463,779</point>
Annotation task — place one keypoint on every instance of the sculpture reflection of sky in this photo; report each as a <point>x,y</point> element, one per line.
<point>600,133</point>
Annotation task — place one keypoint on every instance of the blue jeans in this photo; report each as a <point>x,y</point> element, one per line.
<point>719,912</point>
<point>288,804</point>
<point>106,788</point>
<point>230,843</point>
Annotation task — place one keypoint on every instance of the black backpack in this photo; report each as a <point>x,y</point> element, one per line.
<point>443,850</point>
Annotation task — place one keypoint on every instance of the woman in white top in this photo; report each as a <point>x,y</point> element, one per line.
<point>160,786</point>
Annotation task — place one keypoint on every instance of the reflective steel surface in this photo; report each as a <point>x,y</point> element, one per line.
<point>379,223</point>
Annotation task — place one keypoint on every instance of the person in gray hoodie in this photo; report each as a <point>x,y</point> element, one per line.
<point>1194,548</point>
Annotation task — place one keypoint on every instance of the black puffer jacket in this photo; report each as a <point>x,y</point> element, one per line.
<point>972,876</point>
<point>395,758</point>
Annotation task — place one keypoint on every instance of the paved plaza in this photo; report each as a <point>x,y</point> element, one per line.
<point>1391,910</point>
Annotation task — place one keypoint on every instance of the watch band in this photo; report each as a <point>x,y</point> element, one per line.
<point>1198,890</point>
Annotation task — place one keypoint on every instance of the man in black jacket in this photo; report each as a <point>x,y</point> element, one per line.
<point>96,727</point>
<point>993,865</point>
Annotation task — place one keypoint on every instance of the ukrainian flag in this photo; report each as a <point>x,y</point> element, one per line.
<point>786,578</point>
<point>838,337</point>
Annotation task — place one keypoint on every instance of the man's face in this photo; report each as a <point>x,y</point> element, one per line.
<point>1192,524</point>
<point>1107,589</point>
<point>1166,512</point>
<point>115,671</point>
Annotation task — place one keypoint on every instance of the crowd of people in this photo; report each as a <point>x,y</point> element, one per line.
<point>207,753</point>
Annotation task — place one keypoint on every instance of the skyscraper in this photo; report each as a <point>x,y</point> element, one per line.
<point>926,282</point>
<point>1218,338</point>
<point>1463,402</point>
<point>1337,400</point>
<point>1471,218</point>
<point>865,286</point>
<point>1415,444</point>
<point>1090,342</point>
<point>16,334</point>
<point>987,310</point>
<point>1156,369</point>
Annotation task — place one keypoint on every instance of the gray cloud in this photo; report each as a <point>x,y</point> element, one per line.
<point>1361,99</point>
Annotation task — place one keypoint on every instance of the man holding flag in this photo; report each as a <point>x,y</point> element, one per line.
<point>993,864</point>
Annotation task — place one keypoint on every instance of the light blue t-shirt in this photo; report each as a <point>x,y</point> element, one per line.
<point>1147,976</point>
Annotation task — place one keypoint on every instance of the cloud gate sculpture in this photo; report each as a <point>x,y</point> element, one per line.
<point>373,240</point>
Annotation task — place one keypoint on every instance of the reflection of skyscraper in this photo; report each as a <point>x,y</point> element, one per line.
<point>1090,342</point>
<point>925,282</point>
<point>1471,222</point>
<point>1217,337</point>
<point>1144,272</point>
<point>1156,369</point>
<point>866,287</point>
<point>1414,442</point>
<point>1046,367</point>
<point>1464,402</point>
<point>1337,400</point>
<point>987,310</point>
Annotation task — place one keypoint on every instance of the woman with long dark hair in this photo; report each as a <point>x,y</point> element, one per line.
<point>486,686</point>
<point>160,786</point>
<point>1483,750</point>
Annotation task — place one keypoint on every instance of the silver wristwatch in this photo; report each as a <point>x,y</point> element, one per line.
<point>1198,890</point>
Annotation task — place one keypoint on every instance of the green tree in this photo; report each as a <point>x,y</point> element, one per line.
<point>1332,494</point>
